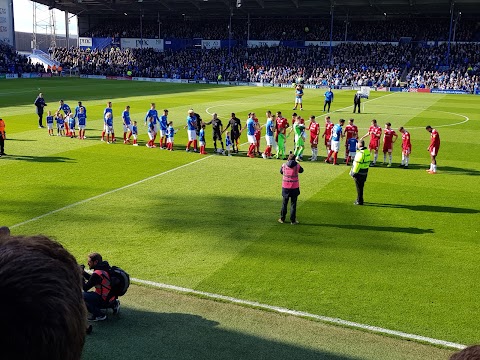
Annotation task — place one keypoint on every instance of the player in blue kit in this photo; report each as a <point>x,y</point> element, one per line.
<point>135,133</point>
<point>60,124</point>
<point>337,135</point>
<point>251,126</point>
<point>109,126</point>
<point>82,122</point>
<point>127,125</point>
<point>77,109</point>
<point>163,129</point>
<point>170,135</point>
<point>191,130</point>
<point>352,149</point>
<point>269,135</point>
<point>50,123</point>
<point>201,139</point>
<point>152,113</point>
<point>151,133</point>
<point>64,107</point>
<point>328,99</point>
<point>108,110</point>
<point>298,96</point>
<point>70,119</point>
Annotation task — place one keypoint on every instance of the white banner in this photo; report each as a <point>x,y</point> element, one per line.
<point>259,43</point>
<point>322,43</point>
<point>210,44</point>
<point>85,42</point>
<point>6,22</point>
<point>134,43</point>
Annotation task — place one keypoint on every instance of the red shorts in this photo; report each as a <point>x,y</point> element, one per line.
<point>314,140</point>
<point>373,144</point>
<point>407,150</point>
<point>327,141</point>
<point>387,147</point>
<point>434,151</point>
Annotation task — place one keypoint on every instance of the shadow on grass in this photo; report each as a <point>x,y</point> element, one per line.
<point>406,230</point>
<point>139,334</point>
<point>427,208</point>
<point>450,170</point>
<point>39,159</point>
<point>13,139</point>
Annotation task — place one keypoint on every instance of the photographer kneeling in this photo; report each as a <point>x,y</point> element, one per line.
<point>100,279</point>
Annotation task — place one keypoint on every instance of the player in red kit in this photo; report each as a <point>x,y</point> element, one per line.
<point>389,137</point>
<point>375,133</point>
<point>314,129</point>
<point>327,134</point>
<point>433,148</point>
<point>406,147</point>
<point>351,131</point>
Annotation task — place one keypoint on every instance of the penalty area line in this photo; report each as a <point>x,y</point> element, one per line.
<point>325,319</point>
<point>107,193</point>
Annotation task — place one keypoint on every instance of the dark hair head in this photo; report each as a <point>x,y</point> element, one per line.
<point>361,143</point>
<point>388,124</point>
<point>428,127</point>
<point>341,121</point>
<point>41,307</point>
<point>95,257</point>
<point>374,121</point>
<point>294,114</point>
<point>469,353</point>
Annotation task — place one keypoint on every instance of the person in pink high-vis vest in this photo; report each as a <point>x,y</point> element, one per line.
<point>290,188</point>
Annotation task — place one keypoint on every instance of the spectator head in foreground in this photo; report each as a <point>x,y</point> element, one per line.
<point>469,353</point>
<point>42,310</point>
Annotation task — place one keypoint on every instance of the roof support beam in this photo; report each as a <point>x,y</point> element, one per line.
<point>295,2</point>
<point>165,5</point>
<point>261,3</point>
<point>195,4</point>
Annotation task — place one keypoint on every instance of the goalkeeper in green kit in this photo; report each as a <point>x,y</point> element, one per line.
<point>299,130</point>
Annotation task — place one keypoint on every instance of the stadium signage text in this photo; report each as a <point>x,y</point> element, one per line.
<point>211,44</point>
<point>85,42</point>
<point>447,91</point>
<point>261,43</point>
<point>135,43</point>
<point>6,21</point>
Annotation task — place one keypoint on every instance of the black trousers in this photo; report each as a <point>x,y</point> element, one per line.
<point>355,105</point>
<point>40,119</point>
<point>360,180</point>
<point>2,145</point>
<point>325,105</point>
<point>291,194</point>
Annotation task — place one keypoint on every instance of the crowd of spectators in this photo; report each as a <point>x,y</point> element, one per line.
<point>13,63</point>
<point>429,67</point>
<point>289,29</point>
<point>350,64</point>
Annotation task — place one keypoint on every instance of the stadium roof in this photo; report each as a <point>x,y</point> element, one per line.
<point>366,9</point>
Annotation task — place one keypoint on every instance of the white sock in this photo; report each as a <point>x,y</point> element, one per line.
<point>390,158</point>
<point>384,157</point>
<point>403,159</point>
<point>434,168</point>
<point>375,158</point>
<point>406,160</point>
<point>431,167</point>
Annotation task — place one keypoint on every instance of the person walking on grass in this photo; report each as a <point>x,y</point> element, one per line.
<point>290,189</point>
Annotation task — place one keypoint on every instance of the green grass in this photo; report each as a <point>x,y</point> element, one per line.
<point>407,261</point>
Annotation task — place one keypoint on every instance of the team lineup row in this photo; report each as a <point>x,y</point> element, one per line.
<point>276,134</point>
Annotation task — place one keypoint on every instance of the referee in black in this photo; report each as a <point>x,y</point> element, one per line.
<point>356,102</point>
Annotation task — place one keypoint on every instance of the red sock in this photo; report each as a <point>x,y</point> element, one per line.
<point>134,141</point>
<point>335,157</point>
<point>161,142</point>
<point>348,159</point>
<point>124,136</point>
<point>329,154</point>
<point>194,144</point>
<point>103,135</point>
<point>189,144</point>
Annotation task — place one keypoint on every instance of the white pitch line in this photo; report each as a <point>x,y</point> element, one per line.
<point>108,193</point>
<point>336,321</point>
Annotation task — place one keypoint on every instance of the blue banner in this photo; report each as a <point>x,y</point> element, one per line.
<point>447,91</point>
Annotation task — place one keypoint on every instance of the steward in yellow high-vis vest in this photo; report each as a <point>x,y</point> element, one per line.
<point>359,171</point>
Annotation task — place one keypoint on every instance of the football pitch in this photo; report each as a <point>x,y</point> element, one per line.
<point>406,261</point>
